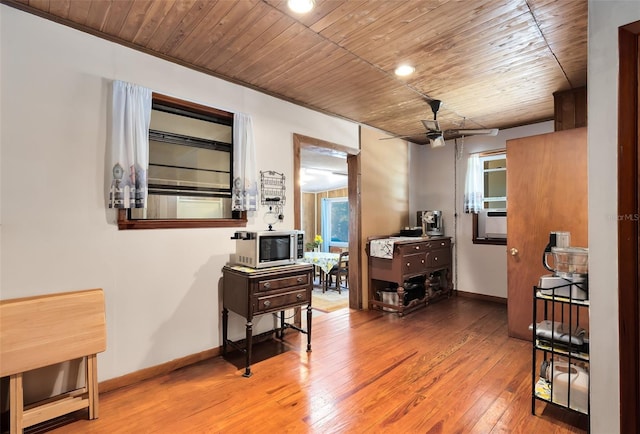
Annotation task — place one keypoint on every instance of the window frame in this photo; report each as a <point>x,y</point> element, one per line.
<point>475,238</point>
<point>238,219</point>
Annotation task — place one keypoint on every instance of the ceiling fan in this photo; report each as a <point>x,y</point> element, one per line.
<point>437,137</point>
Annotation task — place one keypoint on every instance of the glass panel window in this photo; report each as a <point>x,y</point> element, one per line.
<point>335,222</point>
<point>494,166</point>
<point>190,167</point>
<point>495,181</point>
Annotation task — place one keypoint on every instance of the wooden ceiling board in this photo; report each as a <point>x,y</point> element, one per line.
<point>265,59</point>
<point>494,63</point>
<point>60,8</point>
<point>415,32</point>
<point>378,23</point>
<point>205,35</point>
<point>250,26</point>
<point>98,14</point>
<point>117,15</point>
<point>133,22</point>
<point>78,11</point>
<point>319,62</point>
<point>223,32</point>
<point>183,13</point>
<point>152,21</point>
<point>185,27</point>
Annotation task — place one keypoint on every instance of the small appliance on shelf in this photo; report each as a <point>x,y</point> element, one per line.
<point>570,268</point>
<point>432,223</point>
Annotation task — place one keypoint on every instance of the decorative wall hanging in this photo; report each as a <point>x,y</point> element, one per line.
<point>272,194</point>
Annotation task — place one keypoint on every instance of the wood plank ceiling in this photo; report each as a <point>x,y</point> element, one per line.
<point>494,63</point>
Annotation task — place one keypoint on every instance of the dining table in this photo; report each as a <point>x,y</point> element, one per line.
<point>323,260</point>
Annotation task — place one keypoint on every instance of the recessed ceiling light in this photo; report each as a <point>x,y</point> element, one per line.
<point>404,70</point>
<point>301,6</point>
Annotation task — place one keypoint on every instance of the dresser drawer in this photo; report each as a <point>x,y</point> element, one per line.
<point>411,249</point>
<point>278,301</point>
<point>438,244</point>
<point>283,282</point>
<point>413,263</point>
<point>438,257</point>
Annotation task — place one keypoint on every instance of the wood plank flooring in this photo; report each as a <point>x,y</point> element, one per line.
<point>449,368</point>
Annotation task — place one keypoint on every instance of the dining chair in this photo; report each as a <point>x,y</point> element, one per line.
<point>341,273</point>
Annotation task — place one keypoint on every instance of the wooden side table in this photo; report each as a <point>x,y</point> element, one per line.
<point>250,292</point>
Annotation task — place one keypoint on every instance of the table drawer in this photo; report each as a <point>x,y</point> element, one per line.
<point>439,257</point>
<point>283,282</point>
<point>411,249</point>
<point>413,263</point>
<point>279,301</point>
<point>438,244</point>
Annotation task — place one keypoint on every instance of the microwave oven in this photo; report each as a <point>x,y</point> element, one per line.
<point>269,248</point>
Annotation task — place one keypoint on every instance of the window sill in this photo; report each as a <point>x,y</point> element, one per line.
<point>124,223</point>
<point>492,241</point>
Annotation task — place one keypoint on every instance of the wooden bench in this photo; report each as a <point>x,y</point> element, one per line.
<point>45,330</point>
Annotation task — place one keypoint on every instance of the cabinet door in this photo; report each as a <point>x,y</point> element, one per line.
<point>547,188</point>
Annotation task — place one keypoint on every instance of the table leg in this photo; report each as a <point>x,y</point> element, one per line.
<point>225,322</point>
<point>281,332</point>
<point>249,338</point>
<point>309,327</point>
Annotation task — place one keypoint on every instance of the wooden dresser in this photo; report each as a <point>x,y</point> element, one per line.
<point>250,292</point>
<point>395,280</point>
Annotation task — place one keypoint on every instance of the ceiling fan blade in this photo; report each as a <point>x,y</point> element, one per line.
<point>474,132</point>
<point>410,136</point>
<point>431,125</point>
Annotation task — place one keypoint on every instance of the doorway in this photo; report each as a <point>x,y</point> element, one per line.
<point>628,232</point>
<point>352,156</point>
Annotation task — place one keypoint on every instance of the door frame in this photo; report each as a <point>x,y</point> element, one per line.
<point>353,186</point>
<point>628,233</point>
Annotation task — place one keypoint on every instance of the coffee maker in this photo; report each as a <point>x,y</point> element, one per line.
<point>432,224</point>
<point>569,270</point>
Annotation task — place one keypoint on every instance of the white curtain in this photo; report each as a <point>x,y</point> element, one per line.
<point>129,145</point>
<point>474,185</point>
<point>245,186</point>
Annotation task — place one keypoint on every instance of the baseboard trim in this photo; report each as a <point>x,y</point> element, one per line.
<point>491,298</point>
<point>154,371</point>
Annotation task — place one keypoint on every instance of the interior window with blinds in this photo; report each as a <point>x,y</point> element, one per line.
<point>190,161</point>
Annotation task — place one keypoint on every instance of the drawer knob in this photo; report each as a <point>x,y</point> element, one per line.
<point>299,296</point>
<point>435,258</point>
<point>422,261</point>
<point>442,244</point>
<point>417,247</point>
<point>267,285</point>
<point>299,279</point>
<point>267,303</point>
<point>408,264</point>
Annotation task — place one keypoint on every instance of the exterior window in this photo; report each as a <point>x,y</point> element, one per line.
<point>489,226</point>
<point>495,181</point>
<point>190,168</point>
<point>335,222</point>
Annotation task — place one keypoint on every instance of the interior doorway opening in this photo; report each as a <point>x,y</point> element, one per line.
<point>301,142</point>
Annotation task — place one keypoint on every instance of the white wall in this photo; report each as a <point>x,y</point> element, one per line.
<point>604,19</point>
<point>161,286</point>
<point>437,177</point>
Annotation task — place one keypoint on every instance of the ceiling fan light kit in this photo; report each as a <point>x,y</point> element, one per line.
<point>437,142</point>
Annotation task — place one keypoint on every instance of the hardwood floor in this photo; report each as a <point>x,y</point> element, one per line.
<point>449,368</point>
